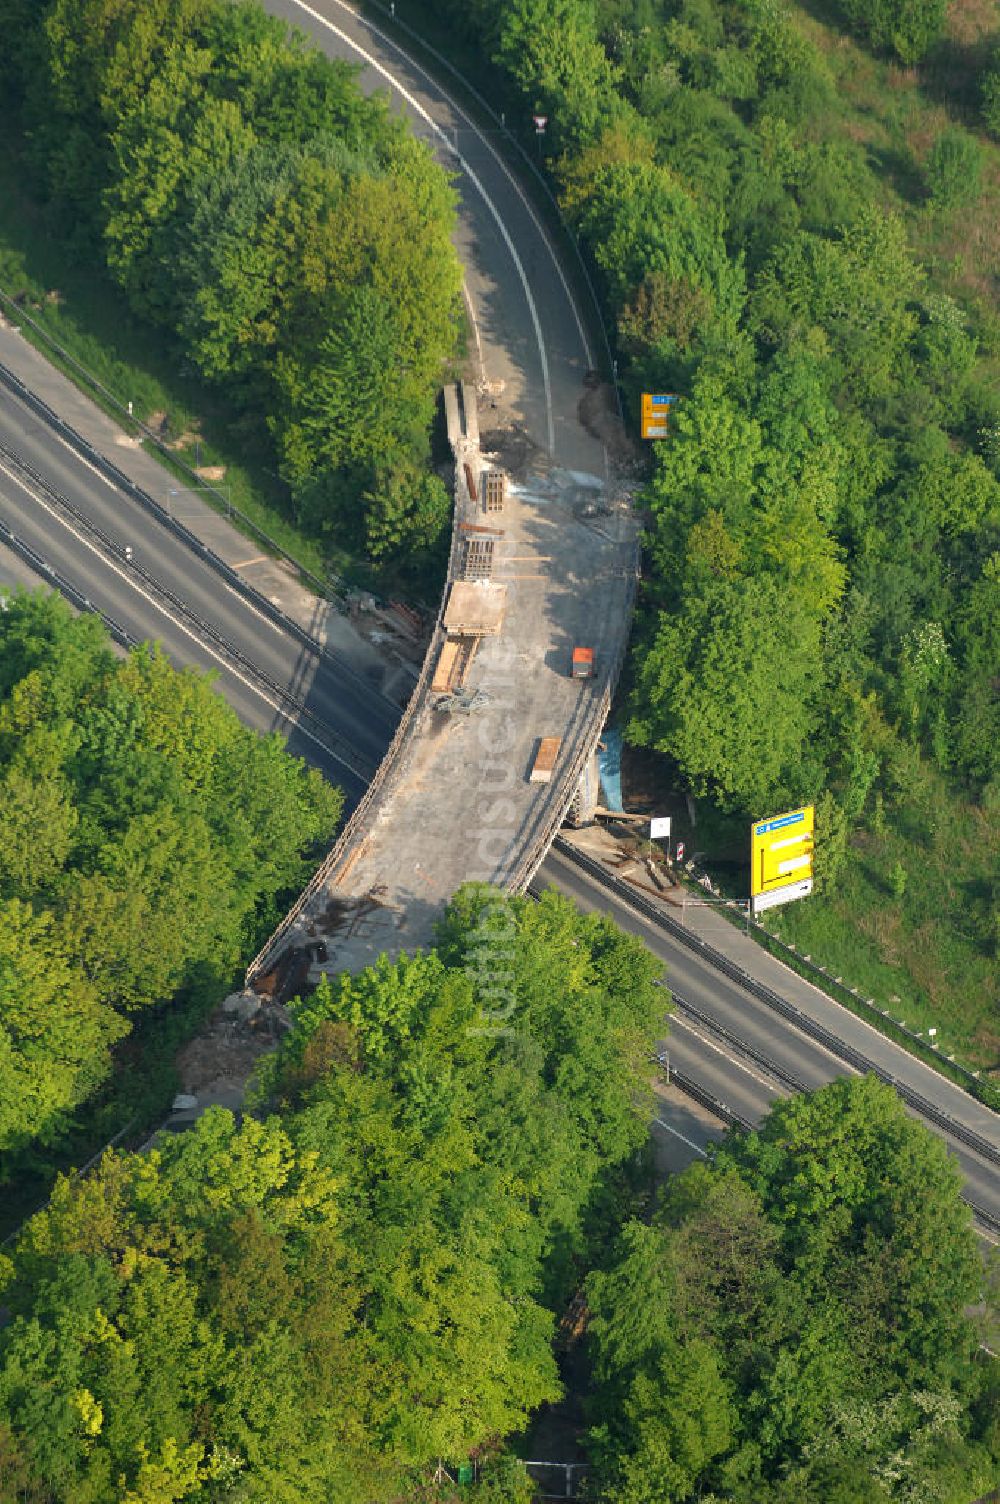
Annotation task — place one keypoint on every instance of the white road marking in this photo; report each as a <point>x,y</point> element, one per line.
<point>131,580</point>
<point>498,159</point>
<point>690,1142</point>
<point>473,179</point>
<point>475,328</point>
<point>675,1018</point>
<point>116,489</point>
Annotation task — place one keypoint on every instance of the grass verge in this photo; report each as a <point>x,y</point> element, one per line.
<point>911,921</point>
<point>83,326</point>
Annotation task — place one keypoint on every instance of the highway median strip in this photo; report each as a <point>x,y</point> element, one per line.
<point>780,1005</point>
<point>336,745</point>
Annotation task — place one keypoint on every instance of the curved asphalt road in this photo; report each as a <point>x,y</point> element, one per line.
<point>528,327</point>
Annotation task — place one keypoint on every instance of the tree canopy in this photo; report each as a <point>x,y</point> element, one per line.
<point>148,839</point>
<point>791,1325</point>
<point>287,232</point>
<point>330,1298</point>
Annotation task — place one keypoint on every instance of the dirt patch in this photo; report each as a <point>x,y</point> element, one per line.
<point>597,411</point>
<point>987,1045</point>
<point>512,449</point>
<point>970,20</point>
<point>158,423</point>
<point>218,1064</point>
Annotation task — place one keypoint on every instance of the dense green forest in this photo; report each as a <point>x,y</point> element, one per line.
<point>789,1328</point>
<point>799,239</point>
<point>364,1279</point>
<point>364,1276</point>
<point>289,236</point>
<point>147,840</point>
<point>323,1303</point>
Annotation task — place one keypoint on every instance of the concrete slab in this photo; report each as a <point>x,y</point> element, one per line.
<point>475,608</point>
<point>456,804</point>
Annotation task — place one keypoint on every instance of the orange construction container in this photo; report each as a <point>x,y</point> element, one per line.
<point>583,663</point>
<point>545,760</point>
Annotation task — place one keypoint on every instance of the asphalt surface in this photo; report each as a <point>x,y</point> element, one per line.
<point>695,1048</point>
<point>526,322</point>
<point>339,699</point>
<point>530,331</point>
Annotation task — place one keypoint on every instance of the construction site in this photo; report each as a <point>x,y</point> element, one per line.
<point>497,745</point>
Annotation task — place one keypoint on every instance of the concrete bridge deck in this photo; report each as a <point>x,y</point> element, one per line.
<point>452,801</point>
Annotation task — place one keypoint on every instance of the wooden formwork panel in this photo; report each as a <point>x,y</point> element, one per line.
<point>475,608</point>
<point>453,664</point>
<point>494,490</point>
<point>441,683</point>
<point>478,561</point>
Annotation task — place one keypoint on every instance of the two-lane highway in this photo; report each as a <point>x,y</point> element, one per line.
<point>718,1064</point>
<point>329,689</point>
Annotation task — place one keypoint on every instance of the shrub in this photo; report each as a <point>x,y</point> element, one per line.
<point>991,99</point>
<point>953,169</point>
<point>906,27</point>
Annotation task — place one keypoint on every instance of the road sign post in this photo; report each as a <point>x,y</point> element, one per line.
<point>541,121</point>
<point>781,859</point>
<point>656,414</point>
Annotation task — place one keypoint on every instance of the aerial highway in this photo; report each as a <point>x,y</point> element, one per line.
<point>88,552</point>
<point>529,331</point>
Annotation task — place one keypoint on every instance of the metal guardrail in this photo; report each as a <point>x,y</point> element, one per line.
<point>726,1114</point>
<point>17,315</point>
<point>735,913</point>
<point>389,13</point>
<point>335,744</point>
<point>118,477</point>
<point>596,716</point>
<point>698,1093</point>
<point>358,823</point>
<point>749,1050</point>
<point>42,567</point>
<point>780,1005</point>
<point>879,1017</point>
<point>557,1480</point>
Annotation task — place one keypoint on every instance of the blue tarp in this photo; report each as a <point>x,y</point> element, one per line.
<point>609,760</point>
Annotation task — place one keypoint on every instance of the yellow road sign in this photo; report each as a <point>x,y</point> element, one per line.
<point>781,858</point>
<point>656,413</point>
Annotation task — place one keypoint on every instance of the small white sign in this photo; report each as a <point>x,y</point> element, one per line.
<point>541,121</point>
<point>659,828</point>
<point>762,901</point>
<point>680,851</point>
